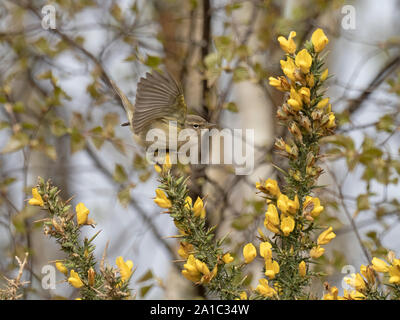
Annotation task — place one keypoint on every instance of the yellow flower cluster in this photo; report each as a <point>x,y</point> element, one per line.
<point>197,271</point>
<point>333,294</point>
<point>392,269</point>
<point>82,212</point>
<point>264,289</point>
<point>271,266</point>
<point>361,282</point>
<point>284,222</point>
<point>304,108</point>
<point>324,238</point>
<point>198,207</point>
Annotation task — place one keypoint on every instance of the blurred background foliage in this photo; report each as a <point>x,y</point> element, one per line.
<point>60,119</point>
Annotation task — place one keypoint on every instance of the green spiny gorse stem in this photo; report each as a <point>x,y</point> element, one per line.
<point>79,262</point>
<point>308,117</point>
<point>198,243</point>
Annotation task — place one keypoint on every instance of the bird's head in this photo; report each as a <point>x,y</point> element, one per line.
<point>197,123</point>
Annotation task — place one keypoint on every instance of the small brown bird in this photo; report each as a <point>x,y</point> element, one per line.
<point>159,100</point>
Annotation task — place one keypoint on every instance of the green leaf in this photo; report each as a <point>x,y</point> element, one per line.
<point>363,202</point>
<point>225,47</point>
<point>152,61</point>
<point>124,196</point>
<point>147,276</point>
<point>385,123</point>
<point>18,107</point>
<point>240,74</point>
<point>144,290</point>
<point>58,127</point>
<point>78,141</point>
<point>120,175</point>
<point>97,137</point>
<point>119,145</point>
<point>116,12</point>
<point>232,107</point>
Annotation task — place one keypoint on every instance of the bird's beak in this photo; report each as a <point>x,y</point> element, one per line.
<point>211,125</point>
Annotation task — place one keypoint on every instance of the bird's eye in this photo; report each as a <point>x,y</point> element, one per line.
<point>195,126</point>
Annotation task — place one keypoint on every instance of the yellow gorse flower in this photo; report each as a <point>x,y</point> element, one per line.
<point>303,60</point>
<point>125,268</point>
<point>74,280</point>
<point>279,83</point>
<point>295,100</point>
<point>264,289</point>
<point>185,249</point>
<point>288,45</point>
<point>332,121</point>
<point>305,94</point>
<point>288,68</point>
<point>188,203</point>
<point>356,281</point>
<point>265,250</point>
<point>243,295</point>
<point>190,270</point>
<point>197,271</point>
<point>157,168</point>
<point>161,199</point>
<point>310,80</point>
<point>62,268</point>
<point>249,252</point>
<point>323,103</point>
<point>316,252</point>
<point>379,265</point>
<point>272,187</point>
<point>82,213</point>
<point>324,75</point>
<point>271,268</point>
<point>312,206</point>
<point>302,269</point>
<point>37,198</point>
<point>227,258</point>
<point>271,221</point>
<point>293,205</point>
<point>287,225</point>
<point>332,294</point>
<point>319,40</point>
<point>326,236</point>
<point>288,206</point>
<point>368,273</point>
<point>394,272</point>
<point>353,295</point>
<point>198,208</point>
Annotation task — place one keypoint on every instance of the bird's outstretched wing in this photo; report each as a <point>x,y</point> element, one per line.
<point>158,96</point>
<point>125,102</point>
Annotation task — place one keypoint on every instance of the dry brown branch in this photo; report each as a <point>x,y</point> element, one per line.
<point>11,292</point>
